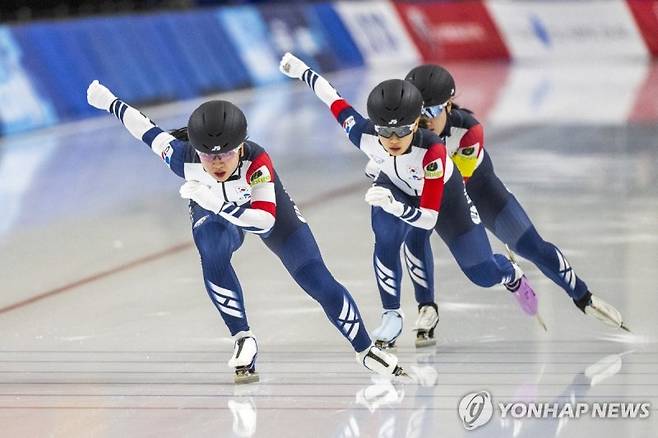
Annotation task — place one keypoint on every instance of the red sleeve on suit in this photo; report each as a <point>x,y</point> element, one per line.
<point>433,167</point>
<point>473,136</point>
<point>338,106</point>
<point>260,177</point>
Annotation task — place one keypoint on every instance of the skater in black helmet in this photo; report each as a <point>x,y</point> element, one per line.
<point>417,187</point>
<point>499,209</point>
<point>233,189</point>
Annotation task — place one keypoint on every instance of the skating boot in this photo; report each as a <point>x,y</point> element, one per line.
<point>389,330</point>
<point>523,292</point>
<point>428,318</point>
<point>380,362</point>
<point>599,309</point>
<point>244,358</point>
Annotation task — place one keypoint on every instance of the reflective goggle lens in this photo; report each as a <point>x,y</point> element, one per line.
<point>221,156</point>
<point>388,131</point>
<point>433,111</point>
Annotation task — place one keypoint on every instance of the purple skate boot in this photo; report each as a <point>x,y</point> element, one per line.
<point>523,292</point>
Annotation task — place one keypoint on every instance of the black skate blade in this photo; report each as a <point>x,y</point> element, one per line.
<point>623,327</point>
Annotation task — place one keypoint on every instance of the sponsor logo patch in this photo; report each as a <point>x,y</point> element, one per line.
<point>467,152</point>
<point>349,123</point>
<point>261,175</point>
<point>434,170</point>
<point>167,153</point>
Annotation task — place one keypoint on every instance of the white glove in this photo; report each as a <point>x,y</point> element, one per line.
<point>202,195</point>
<point>99,96</point>
<point>292,66</point>
<point>382,197</point>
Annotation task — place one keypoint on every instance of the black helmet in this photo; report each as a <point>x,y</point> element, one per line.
<point>435,83</point>
<point>217,126</point>
<point>394,103</point>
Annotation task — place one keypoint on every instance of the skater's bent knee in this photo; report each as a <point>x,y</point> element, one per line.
<point>484,275</point>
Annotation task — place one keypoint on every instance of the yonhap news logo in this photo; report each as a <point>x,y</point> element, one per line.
<point>477,408</point>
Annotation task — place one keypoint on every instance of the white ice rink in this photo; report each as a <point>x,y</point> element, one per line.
<point>106,329</point>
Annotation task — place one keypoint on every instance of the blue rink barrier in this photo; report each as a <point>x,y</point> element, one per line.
<point>45,67</point>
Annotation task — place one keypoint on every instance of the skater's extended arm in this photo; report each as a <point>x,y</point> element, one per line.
<point>162,143</point>
<point>349,118</point>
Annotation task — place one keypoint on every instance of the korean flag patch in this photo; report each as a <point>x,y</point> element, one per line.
<point>434,170</point>
<point>261,175</point>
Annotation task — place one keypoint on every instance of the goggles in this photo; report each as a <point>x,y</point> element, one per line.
<point>399,131</point>
<point>222,156</point>
<point>433,111</point>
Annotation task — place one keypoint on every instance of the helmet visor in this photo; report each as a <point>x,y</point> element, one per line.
<point>399,131</point>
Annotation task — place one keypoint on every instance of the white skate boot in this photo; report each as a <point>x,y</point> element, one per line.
<point>380,362</point>
<point>389,330</point>
<point>428,318</point>
<point>244,358</point>
<point>599,309</point>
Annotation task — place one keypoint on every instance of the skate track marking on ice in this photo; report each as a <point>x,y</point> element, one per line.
<point>323,197</point>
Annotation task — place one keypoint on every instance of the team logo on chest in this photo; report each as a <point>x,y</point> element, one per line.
<point>414,172</point>
<point>243,192</point>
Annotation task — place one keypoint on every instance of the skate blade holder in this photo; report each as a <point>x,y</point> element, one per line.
<point>422,343</point>
<point>245,375</point>
<point>424,339</point>
<point>386,346</point>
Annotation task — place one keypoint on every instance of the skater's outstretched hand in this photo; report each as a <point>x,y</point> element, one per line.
<point>292,66</point>
<point>99,96</point>
<point>382,197</point>
<point>202,195</point>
